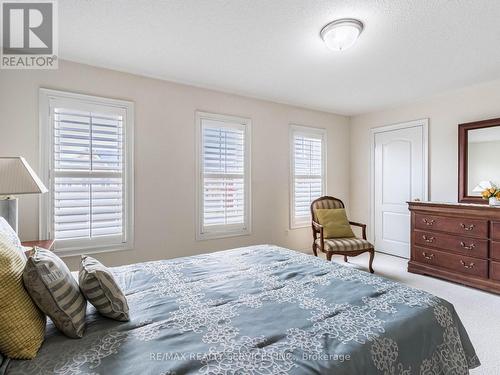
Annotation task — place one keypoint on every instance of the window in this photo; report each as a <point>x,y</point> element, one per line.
<point>87,163</point>
<point>223,176</point>
<point>308,150</point>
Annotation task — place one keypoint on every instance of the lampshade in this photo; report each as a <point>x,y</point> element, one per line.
<point>17,177</point>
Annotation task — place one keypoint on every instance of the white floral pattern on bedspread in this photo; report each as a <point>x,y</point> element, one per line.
<point>262,310</point>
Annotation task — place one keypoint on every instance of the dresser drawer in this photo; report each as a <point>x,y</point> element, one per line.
<point>495,271</point>
<point>473,247</point>
<point>461,226</point>
<point>495,250</point>
<point>463,264</point>
<point>495,230</point>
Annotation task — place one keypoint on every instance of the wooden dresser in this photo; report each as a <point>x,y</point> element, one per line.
<point>457,242</point>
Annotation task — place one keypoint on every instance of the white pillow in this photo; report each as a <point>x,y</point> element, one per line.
<point>11,236</point>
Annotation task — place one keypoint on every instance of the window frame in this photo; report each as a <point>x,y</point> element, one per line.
<point>307,131</point>
<point>246,123</point>
<point>46,146</point>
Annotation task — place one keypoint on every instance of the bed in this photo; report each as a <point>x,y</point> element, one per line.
<point>261,310</point>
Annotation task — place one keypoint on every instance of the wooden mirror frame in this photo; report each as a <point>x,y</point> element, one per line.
<point>463,138</point>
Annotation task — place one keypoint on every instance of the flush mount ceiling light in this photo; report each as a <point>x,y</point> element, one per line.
<point>341,34</point>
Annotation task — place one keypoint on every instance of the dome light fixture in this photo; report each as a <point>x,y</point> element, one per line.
<point>341,34</point>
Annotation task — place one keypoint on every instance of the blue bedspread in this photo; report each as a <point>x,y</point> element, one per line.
<point>262,310</point>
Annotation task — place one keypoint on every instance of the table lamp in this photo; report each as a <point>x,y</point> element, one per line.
<point>16,178</point>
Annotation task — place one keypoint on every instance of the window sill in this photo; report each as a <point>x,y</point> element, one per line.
<point>77,251</point>
<point>219,235</point>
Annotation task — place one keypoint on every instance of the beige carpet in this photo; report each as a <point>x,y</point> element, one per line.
<point>479,311</point>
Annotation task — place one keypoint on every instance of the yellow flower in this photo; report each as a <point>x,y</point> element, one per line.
<point>492,190</point>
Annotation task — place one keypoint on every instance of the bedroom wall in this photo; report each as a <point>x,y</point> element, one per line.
<point>165,156</point>
<point>445,112</point>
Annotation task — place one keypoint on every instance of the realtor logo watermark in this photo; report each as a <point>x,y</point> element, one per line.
<point>29,34</point>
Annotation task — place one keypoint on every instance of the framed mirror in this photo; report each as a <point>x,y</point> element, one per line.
<point>478,150</point>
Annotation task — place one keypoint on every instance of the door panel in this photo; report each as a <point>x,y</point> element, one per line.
<point>396,159</point>
<point>394,226</point>
<point>399,176</point>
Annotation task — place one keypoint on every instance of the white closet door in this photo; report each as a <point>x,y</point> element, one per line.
<point>400,175</point>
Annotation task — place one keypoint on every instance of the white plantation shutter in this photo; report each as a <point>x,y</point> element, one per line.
<point>88,174</point>
<point>308,172</point>
<point>224,180</point>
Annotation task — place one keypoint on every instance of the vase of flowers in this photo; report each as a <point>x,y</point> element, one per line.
<point>490,192</point>
<point>494,201</point>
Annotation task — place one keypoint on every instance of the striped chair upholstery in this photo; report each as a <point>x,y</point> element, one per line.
<point>345,244</point>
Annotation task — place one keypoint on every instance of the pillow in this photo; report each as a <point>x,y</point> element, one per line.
<point>101,290</point>
<point>51,285</point>
<point>3,364</point>
<point>11,236</point>
<point>22,324</point>
<point>335,223</point>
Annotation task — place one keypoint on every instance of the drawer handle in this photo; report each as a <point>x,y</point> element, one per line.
<point>467,227</point>
<point>427,256</point>
<point>468,266</point>
<point>470,247</point>
<point>429,222</point>
<point>428,239</point>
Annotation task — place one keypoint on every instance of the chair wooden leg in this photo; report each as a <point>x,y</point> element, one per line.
<point>345,258</point>
<point>329,256</point>
<point>315,252</point>
<point>372,255</point>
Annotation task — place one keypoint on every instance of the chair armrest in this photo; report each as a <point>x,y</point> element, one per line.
<point>357,224</point>
<point>318,229</point>
<point>363,226</point>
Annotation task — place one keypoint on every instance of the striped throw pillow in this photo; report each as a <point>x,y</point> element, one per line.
<point>55,291</point>
<point>101,289</point>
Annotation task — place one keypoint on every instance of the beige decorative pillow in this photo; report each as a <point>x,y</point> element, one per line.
<point>22,324</point>
<point>51,285</point>
<point>335,223</point>
<point>101,290</point>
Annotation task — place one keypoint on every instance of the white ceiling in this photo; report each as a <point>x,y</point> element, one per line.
<point>271,49</point>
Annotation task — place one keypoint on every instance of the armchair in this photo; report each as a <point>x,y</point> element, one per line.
<point>338,246</point>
